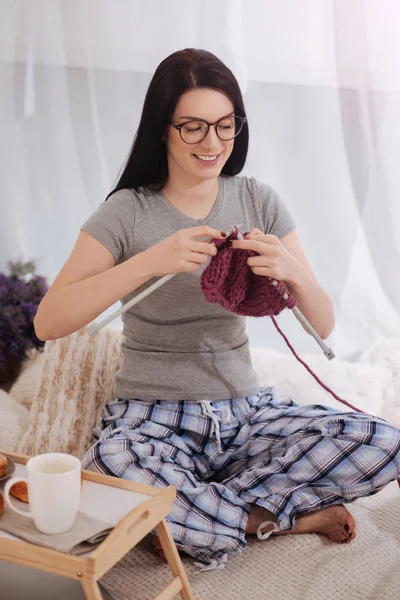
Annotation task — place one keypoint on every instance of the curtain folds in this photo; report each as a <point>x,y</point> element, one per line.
<point>321,83</point>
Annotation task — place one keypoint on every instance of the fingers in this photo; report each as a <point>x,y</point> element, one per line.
<point>203,247</point>
<point>198,258</point>
<point>262,265</point>
<point>259,261</point>
<point>193,262</point>
<point>253,231</point>
<point>267,238</point>
<point>205,231</point>
<point>265,271</point>
<point>190,267</point>
<point>261,247</point>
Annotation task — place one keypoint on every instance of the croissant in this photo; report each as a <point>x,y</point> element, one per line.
<point>3,465</point>
<point>20,491</point>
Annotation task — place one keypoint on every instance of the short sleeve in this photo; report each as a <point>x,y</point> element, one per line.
<point>113,223</point>
<point>276,217</point>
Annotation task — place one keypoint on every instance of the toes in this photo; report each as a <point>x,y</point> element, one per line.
<point>337,536</point>
<point>350,530</point>
<point>351,524</point>
<point>348,525</point>
<point>348,536</point>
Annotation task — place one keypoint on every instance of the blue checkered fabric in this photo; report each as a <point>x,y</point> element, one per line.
<point>223,456</point>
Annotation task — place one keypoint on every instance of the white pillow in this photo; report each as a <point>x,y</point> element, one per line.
<point>24,388</point>
<point>76,380</point>
<point>14,420</point>
<point>386,353</point>
<point>365,386</point>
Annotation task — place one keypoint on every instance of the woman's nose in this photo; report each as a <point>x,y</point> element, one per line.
<point>211,138</point>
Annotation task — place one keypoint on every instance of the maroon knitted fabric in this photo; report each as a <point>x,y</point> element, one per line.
<point>229,281</point>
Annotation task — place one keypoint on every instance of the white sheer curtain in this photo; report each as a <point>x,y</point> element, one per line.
<point>321,82</point>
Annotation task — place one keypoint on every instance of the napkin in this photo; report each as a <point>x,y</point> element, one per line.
<point>86,533</point>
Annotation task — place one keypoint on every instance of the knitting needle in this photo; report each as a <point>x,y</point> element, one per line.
<point>94,328</point>
<point>301,318</point>
<point>308,327</point>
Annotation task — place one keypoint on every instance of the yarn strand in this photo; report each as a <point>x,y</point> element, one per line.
<point>317,379</point>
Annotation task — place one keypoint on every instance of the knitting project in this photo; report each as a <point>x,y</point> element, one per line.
<point>229,281</point>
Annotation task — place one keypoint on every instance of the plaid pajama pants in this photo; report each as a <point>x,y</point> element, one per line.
<point>223,456</point>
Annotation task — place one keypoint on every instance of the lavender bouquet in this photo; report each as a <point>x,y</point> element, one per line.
<point>20,294</point>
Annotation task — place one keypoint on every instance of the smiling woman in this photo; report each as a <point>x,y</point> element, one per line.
<point>198,148</point>
<point>189,410</point>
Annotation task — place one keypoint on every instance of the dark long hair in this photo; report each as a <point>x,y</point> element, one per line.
<point>146,165</point>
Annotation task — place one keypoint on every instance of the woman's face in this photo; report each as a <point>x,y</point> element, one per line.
<point>205,159</point>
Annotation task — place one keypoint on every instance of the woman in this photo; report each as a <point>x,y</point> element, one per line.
<point>188,408</point>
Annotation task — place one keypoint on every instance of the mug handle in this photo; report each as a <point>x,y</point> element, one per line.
<point>7,487</point>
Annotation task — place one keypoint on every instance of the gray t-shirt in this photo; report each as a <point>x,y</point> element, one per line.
<point>178,346</point>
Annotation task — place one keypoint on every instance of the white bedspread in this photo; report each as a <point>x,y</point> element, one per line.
<point>294,567</point>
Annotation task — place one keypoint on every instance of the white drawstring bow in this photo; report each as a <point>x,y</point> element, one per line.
<point>209,411</point>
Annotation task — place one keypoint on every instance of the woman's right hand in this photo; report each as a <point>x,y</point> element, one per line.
<point>182,251</point>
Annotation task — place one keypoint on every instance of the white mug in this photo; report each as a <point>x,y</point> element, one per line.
<point>54,485</point>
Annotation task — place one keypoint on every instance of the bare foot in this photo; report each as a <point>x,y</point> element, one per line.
<point>334,521</point>
<point>155,540</point>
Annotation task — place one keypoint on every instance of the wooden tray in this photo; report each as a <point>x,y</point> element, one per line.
<point>134,510</point>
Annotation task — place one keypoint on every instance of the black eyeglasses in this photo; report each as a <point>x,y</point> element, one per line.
<point>226,128</point>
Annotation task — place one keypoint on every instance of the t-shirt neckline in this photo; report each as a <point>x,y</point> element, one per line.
<point>215,209</point>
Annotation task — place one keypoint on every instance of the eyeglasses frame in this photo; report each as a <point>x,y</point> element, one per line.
<point>179,127</point>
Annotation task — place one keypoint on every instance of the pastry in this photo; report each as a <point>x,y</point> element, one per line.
<point>1,504</point>
<point>3,465</point>
<point>20,491</point>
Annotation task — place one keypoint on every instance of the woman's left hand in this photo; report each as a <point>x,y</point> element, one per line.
<point>273,260</point>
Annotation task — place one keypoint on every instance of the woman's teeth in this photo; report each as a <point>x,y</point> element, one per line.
<point>207,158</point>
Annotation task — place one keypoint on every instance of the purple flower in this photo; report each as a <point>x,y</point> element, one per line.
<point>20,295</point>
